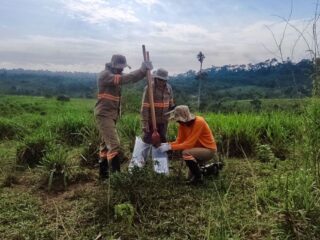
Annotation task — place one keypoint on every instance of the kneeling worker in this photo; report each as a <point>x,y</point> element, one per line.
<point>195,139</point>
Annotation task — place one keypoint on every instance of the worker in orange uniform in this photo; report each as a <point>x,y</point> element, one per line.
<point>195,139</point>
<point>107,109</point>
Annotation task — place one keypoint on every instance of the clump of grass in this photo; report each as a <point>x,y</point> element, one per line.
<point>68,129</point>
<point>33,148</point>
<point>264,153</point>
<point>56,167</point>
<point>90,152</point>
<point>236,133</point>
<point>10,129</point>
<point>124,212</point>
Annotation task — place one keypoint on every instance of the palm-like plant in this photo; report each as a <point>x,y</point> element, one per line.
<point>200,57</point>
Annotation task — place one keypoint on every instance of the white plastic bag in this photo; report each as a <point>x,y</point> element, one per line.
<point>140,156</point>
<point>140,153</point>
<point>160,161</point>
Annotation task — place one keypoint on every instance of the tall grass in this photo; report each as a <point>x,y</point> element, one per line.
<point>68,128</point>
<point>312,137</point>
<point>295,198</point>
<point>33,148</point>
<point>237,132</point>
<point>10,129</point>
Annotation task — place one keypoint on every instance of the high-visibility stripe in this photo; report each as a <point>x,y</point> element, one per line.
<point>116,79</point>
<point>103,154</point>
<point>111,155</point>
<point>188,157</point>
<point>108,96</point>
<point>157,105</point>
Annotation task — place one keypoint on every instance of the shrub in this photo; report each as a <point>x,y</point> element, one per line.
<point>63,98</point>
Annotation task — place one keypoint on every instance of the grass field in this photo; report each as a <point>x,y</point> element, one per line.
<point>49,187</point>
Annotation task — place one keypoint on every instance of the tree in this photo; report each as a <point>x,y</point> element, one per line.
<point>200,57</point>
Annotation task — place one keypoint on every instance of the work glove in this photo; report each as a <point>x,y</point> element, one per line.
<point>146,65</point>
<point>164,147</point>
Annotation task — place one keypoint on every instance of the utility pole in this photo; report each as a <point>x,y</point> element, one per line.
<point>200,57</point>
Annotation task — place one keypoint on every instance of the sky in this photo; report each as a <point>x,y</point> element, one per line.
<point>82,35</point>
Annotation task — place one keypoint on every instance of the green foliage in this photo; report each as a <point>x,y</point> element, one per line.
<point>312,131</point>
<point>22,212</point>
<point>295,197</point>
<point>238,134</point>
<point>56,166</point>
<point>128,128</point>
<point>249,199</point>
<point>124,212</point>
<point>9,129</point>
<point>264,153</point>
<point>33,148</point>
<point>68,128</point>
<point>90,152</point>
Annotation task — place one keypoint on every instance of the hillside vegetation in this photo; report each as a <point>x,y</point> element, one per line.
<point>268,79</point>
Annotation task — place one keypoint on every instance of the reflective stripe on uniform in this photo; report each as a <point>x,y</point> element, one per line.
<point>103,154</point>
<point>157,105</point>
<point>108,96</point>
<point>188,157</point>
<point>111,155</point>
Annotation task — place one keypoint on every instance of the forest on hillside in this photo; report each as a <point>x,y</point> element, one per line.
<point>268,79</point>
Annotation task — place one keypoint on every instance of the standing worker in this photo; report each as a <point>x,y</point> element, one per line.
<point>107,109</point>
<point>163,102</point>
<point>195,139</point>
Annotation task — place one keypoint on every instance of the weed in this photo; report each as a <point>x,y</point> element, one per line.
<point>124,212</point>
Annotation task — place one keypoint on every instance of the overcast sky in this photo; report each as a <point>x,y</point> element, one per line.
<point>81,35</point>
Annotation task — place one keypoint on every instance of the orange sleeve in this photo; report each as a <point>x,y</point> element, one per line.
<point>192,138</point>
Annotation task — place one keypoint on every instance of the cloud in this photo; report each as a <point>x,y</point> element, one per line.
<point>181,32</point>
<point>99,11</point>
<point>173,46</point>
<point>148,3</point>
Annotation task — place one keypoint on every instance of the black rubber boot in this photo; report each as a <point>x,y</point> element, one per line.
<point>196,172</point>
<point>115,164</point>
<point>103,169</point>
